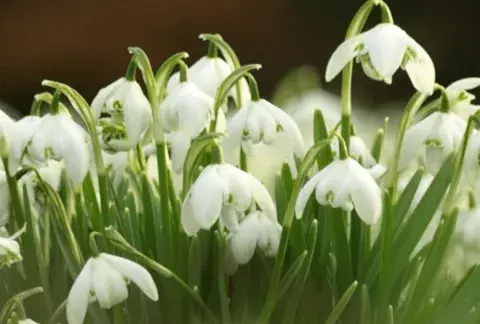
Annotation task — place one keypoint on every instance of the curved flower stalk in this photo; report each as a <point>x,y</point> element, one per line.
<point>382,50</point>
<point>58,137</point>
<point>346,184</point>
<point>360,153</point>
<point>103,279</point>
<point>10,249</point>
<point>255,230</point>
<point>461,99</point>
<point>186,112</point>
<point>431,140</point>
<point>207,74</point>
<point>4,199</point>
<point>122,114</point>
<point>261,123</point>
<point>223,192</point>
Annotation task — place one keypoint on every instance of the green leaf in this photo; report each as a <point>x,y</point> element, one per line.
<point>291,275</point>
<point>365,308</point>
<point>342,304</point>
<point>320,133</point>
<point>387,234</point>
<point>164,72</point>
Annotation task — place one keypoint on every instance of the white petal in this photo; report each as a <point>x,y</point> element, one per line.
<point>189,222</point>
<point>421,69</point>
<point>386,45</point>
<point>235,127</point>
<point>238,187</point>
<point>269,236</point>
<point>208,73</point>
<point>244,242</point>
<point>344,53</point>
<point>109,286</point>
<point>137,112</point>
<point>464,84</point>
<point>366,194</point>
<point>229,218</point>
<point>180,146</point>
<point>377,171</point>
<point>305,194</point>
<point>135,272</point>
<point>79,295</point>
<point>100,99</point>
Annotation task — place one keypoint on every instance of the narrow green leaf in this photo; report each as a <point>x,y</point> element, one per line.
<point>365,308</point>
<point>387,234</point>
<point>342,304</point>
<point>291,275</point>
<point>320,133</point>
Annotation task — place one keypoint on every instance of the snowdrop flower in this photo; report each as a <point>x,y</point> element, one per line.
<point>10,249</point>
<point>11,137</point>
<point>360,152</point>
<point>104,278</point>
<point>382,50</point>
<point>345,184</point>
<point>51,173</point>
<point>185,113</point>
<point>432,140</point>
<point>460,99</point>
<point>118,162</point>
<point>58,137</point>
<point>468,229</point>
<point>260,123</point>
<point>225,192</point>
<point>207,74</point>
<point>4,199</point>
<point>255,229</point>
<point>122,113</point>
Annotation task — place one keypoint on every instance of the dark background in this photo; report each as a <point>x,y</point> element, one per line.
<point>84,43</point>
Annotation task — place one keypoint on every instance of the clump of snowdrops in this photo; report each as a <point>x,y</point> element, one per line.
<point>145,210</point>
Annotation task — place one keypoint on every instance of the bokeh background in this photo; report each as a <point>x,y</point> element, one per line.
<point>84,43</point>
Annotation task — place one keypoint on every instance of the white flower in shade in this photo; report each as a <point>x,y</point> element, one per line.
<point>460,99</point>
<point>255,230</point>
<point>471,163</point>
<point>345,184</point>
<point>51,173</point>
<point>185,113</point>
<point>123,114</point>
<point>11,137</point>
<point>226,193</point>
<point>382,50</point>
<point>118,162</point>
<point>4,199</point>
<point>432,139</point>
<point>207,74</point>
<point>104,278</point>
<point>259,123</point>
<point>58,137</point>
<point>360,152</point>
<point>27,321</point>
<point>10,249</point>
<point>467,231</point>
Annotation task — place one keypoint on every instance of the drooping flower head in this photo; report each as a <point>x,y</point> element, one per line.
<point>103,279</point>
<point>223,192</point>
<point>261,123</point>
<point>460,99</point>
<point>432,140</point>
<point>344,184</point>
<point>382,50</point>
<point>123,114</point>
<point>10,249</point>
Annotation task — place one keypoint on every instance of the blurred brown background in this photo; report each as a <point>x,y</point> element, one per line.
<point>84,43</point>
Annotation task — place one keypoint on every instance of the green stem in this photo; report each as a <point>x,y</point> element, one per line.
<point>445,101</point>
<point>14,194</point>
<point>412,107</point>
<point>55,106</point>
<point>253,85</point>
<point>183,71</point>
<point>104,219</point>
<point>386,13</point>
<point>243,160</point>
<point>212,50</point>
<point>142,163</point>
<point>130,75</point>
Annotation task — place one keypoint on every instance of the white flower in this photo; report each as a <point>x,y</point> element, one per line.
<point>345,184</point>
<point>4,199</point>
<point>382,50</point>
<point>225,192</point>
<point>185,113</point>
<point>360,152</point>
<point>10,249</point>
<point>255,229</point>
<point>104,278</point>
<point>27,321</point>
<point>51,173</point>
<point>207,74</point>
<point>58,137</point>
<point>460,99</point>
<point>118,162</point>
<point>432,140</point>
<point>123,114</point>
<point>11,137</point>
<point>259,123</point>
<point>468,228</point>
